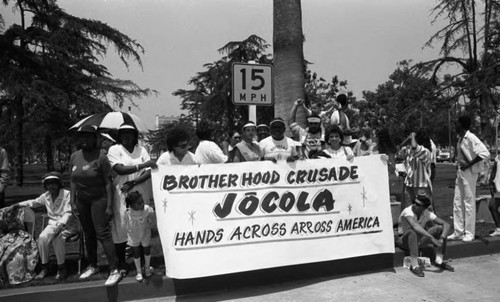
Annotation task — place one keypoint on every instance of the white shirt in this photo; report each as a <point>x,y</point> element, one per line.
<point>208,152</point>
<point>169,159</point>
<point>139,222</point>
<point>335,120</point>
<point>58,210</point>
<point>343,152</point>
<point>118,154</point>
<point>279,150</point>
<point>433,152</point>
<point>404,225</point>
<point>471,146</point>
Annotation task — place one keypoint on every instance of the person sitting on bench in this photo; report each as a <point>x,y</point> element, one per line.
<point>417,228</point>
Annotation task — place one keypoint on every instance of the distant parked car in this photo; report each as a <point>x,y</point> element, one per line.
<point>444,155</point>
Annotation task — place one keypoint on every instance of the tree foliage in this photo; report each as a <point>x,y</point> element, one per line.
<point>210,97</point>
<point>407,102</point>
<point>157,139</point>
<point>51,76</point>
<point>469,41</point>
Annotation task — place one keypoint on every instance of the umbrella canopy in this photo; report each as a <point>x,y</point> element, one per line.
<point>111,120</point>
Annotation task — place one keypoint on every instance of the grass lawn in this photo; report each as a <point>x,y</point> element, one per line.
<point>444,187</point>
<point>443,195</point>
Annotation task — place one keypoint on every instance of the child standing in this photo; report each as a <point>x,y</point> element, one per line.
<point>324,115</point>
<point>138,219</point>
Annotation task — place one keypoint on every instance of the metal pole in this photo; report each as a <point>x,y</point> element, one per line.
<point>252,109</point>
<point>449,133</point>
<point>252,113</point>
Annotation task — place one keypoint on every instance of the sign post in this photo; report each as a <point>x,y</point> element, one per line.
<point>252,86</point>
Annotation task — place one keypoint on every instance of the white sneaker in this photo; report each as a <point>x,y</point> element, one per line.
<point>89,272</point>
<point>495,233</point>
<point>454,237</point>
<point>114,278</point>
<point>468,238</point>
<point>139,277</point>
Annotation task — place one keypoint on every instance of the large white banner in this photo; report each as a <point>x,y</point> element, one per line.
<point>227,218</point>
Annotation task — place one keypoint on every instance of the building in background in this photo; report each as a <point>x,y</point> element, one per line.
<point>165,120</point>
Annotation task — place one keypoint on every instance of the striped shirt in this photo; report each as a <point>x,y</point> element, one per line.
<point>418,167</point>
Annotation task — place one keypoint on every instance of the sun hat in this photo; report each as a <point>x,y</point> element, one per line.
<point>314,119</point>
<point>249,124</point>
<point>126,126</point>
<point>108,137</point>
<point>277,120</point>
<point>52,176</point>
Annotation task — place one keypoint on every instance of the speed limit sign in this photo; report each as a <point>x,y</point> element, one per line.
<point>252,84</point>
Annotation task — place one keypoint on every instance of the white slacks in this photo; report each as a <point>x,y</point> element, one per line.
<point>464,203</point>
<point>48,235</point>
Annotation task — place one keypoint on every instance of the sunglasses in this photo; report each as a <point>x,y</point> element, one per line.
<point>420,205</point>
<point>237,137</point>
<point>183,146</point>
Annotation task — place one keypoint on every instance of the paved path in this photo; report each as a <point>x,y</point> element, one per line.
<point>474,279</point>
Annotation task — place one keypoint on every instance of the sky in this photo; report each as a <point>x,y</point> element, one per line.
<point>360,41</point>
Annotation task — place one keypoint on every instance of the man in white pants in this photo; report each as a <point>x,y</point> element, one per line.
<point>470,155</point>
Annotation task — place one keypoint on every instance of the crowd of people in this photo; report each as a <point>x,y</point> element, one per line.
<point>110,195</point>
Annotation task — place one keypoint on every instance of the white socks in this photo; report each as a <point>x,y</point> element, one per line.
<point>439,258</point>
<point>137,262</point>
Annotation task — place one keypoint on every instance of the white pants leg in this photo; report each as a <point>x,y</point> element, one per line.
<point>464,203</point>
<point>46,237</point>
<point>59,249</point>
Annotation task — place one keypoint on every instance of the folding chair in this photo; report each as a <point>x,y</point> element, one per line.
<point>77,237</point>
<point>29,221</point>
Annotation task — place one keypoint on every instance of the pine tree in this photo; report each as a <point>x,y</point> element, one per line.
<point>51,75</point>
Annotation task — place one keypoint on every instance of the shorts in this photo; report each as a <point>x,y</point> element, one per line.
<point>143,239</point>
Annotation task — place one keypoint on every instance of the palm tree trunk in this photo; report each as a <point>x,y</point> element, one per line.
<point>288,57</point>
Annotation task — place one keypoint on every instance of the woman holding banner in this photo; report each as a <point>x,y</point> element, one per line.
<point>334,137</point>
<point>178,153</point>
<point>248,149</point>
<point>132,166</point>
<point>208,152</point>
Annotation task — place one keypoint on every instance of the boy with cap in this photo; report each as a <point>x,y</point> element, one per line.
<point>61,225</point>
<point>340,119</point>
<point>417,228</point>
